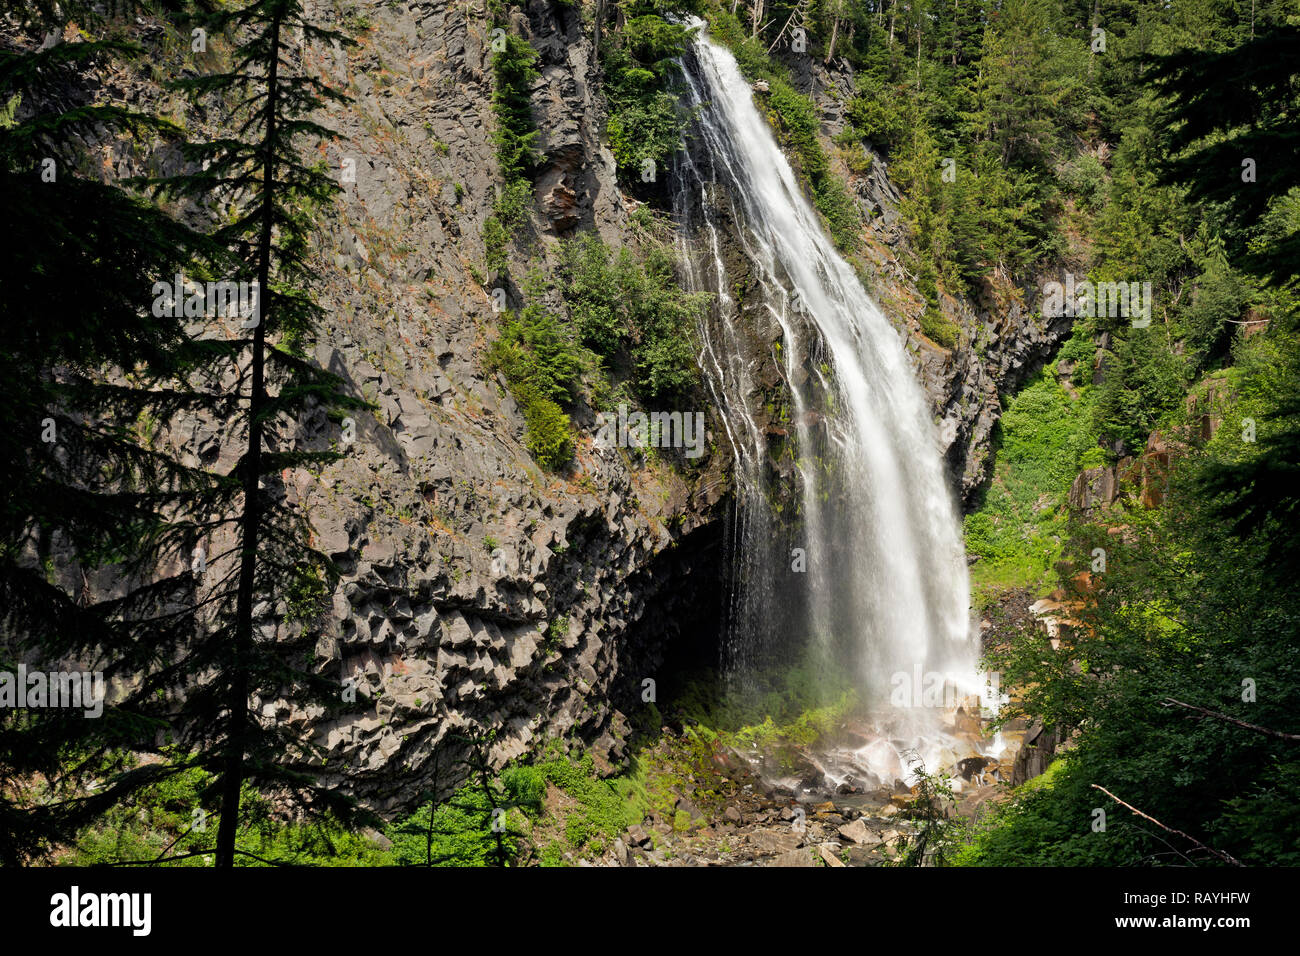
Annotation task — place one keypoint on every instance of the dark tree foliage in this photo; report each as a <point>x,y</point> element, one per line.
<point>514,69</point>
<point>1233,130</point>
<point>1223,108</point>
<point>1189,610</point>
<point>86,369</point>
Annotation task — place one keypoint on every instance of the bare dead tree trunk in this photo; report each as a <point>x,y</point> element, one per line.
<point>798,11</point>
<point>1096,19</point>
<point>956,29</point>
<point>918,54</point>
<point>830,47</point>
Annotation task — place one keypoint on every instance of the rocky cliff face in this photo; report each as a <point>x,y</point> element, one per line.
<point>479,590</point>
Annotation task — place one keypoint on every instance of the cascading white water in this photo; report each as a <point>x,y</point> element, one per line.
<point>885,560</point>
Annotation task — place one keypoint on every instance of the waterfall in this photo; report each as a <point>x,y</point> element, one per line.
<point>883,596</point>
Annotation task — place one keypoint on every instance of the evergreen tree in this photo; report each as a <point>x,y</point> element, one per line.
<point>269,580</point>
<point>514,69</point>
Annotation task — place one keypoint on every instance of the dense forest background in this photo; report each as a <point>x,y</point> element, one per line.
<point>1149,142</point>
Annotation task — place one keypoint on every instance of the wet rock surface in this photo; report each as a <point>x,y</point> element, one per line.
<point>725,812</point>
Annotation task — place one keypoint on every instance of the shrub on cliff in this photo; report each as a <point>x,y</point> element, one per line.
<point>543,366</point>
<point>634,313</point>
<point>514,69</point>
<point>645,125</point>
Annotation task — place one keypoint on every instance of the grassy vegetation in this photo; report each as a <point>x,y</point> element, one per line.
<point>169,818</point>
<point>582,818</point>
<point>1044,439</point>
<point>795,702</point>
<point>605,807</point>
<point>551,811</point>
<point>560,808</point>
<point>459,831</point>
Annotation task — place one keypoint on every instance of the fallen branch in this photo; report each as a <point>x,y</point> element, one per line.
<point>1227,858</point>
<point>1233,720</point>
